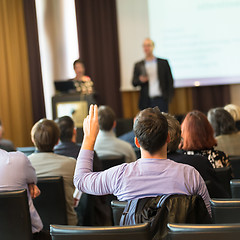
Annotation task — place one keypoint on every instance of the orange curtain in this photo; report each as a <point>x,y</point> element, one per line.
<point>15,93</point>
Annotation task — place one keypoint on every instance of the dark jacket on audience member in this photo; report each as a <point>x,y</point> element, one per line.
<point>71,149</point>
<point>7,145</point>
<point>128,137</point>
<point>204,167</point>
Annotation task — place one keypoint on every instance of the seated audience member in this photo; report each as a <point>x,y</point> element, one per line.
<point>67,145</point>
<point>198,138</point>
<point>5,144</point>
<point>129,137</point>
<point>150,176</point>
<point>234,110</point>
<point>16,172</point>
<point>226,134</point>
<point>200,163</point>
<point>107,144</point>
<point>45,135</point>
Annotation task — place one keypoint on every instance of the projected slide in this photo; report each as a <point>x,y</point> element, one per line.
<point>200,38</point>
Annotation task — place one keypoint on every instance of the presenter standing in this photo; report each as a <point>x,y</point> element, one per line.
<point>154,77</point>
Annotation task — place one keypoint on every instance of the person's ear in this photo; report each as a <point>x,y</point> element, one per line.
<point>168,138</point>
<point>137,143</point>
<point>114,124</point>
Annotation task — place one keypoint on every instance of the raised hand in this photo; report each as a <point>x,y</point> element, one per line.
<point>90,128</point>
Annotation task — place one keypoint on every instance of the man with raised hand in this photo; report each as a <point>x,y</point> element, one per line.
<point>150,176</point>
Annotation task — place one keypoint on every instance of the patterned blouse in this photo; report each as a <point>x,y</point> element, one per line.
<point>217,158</point>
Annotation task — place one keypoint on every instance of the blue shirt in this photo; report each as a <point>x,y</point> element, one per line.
<point>140,179</point>
<point>16,172</point>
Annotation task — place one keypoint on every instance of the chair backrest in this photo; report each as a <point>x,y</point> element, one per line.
<point>235,188</point>
<point>224,176</point>
<point>225,210</point>
<point>14,216</point>
<point>111,161</point>
<point>124,125</point>
<point>139,232</point>
<point>203,232</point>
<point>51,204</point>
<point>26,150</point>
<point>235,163</point>
<point>117,210</point>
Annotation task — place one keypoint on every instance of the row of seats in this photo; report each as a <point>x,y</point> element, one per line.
<point>15,214</point>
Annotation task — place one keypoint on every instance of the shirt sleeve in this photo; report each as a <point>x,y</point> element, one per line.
<point>30,173</point>
<point>201,189</point>
<point>96,183</point>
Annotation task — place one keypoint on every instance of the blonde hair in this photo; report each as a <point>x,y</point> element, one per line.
<point>234,110</point>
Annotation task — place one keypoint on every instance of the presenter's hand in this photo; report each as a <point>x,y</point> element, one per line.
<point>86,79</point>
<point>143,78</point>
<point>90,128</point>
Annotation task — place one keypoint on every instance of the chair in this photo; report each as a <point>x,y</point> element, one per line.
<point>14,216</point>
<point>117,210</point>
<point>224,176</point>
<point>225,210</point>
<point>124,125</point>
<point>139,232</point>
<point>235,188</point>
<point>235,162</point>
<point>51,204</point>
<point>111,161</point>
<point>26,150</point>
<point>203,232</point>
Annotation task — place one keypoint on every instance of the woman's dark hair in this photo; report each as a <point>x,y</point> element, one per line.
<point>197,132</point>
<point>151,129</point>
<point>221,121</point>
<point>78,61</point>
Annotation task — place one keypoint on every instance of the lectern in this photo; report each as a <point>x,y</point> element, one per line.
<point>75,105</point>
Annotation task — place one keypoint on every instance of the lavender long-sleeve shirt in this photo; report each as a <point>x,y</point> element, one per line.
<point>16,172</point>
<point>143,178</point>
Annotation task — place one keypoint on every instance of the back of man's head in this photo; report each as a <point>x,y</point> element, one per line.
<point>66,126</point>
<point>174,130</point>
<point>151,129</point>
<point>106,118</point>
<point>45,135</point>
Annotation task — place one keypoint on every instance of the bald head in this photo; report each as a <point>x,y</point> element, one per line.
<point>148,47</point>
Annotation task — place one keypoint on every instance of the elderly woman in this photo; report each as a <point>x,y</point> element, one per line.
<point>198,138</point>
<point>227,136</point>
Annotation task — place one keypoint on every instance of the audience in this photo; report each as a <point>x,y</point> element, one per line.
<point>107,144</point>
<point>150,176</point>
<point>198,139</point>
<point>16,172</point>
<point>234,110</point>
<point>5,144</point>
<point>200,163</point>
<point>45,135</point>
<point>226,134</point>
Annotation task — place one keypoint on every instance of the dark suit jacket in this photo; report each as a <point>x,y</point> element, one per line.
<point>204,167</point>
<point>165,79</point>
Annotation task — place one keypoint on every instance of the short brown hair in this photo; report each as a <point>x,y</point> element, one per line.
<point>197,132</point>
<point>106,118</point>
<point>174,130</point>
<point>78,61</point>
<point>151,129</point>
<point>45,134</point>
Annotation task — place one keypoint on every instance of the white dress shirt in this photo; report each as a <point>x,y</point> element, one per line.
<point>154,89</point>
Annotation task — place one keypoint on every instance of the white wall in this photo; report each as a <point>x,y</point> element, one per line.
<point>58,43</point>
<point>133,28</point>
